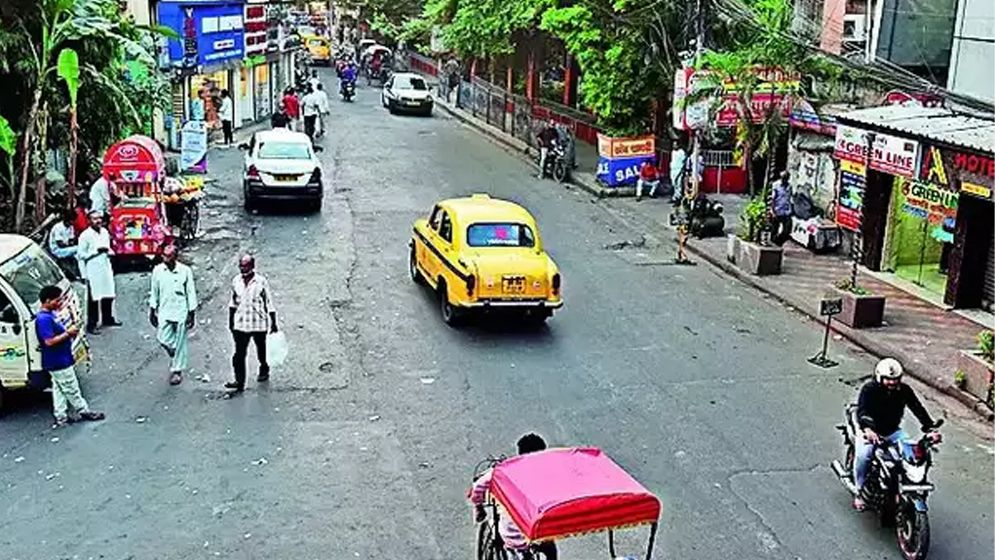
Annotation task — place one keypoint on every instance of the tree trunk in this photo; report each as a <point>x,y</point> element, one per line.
<point>71,167</point>
<point>41,141</point>
<point>22,191</point>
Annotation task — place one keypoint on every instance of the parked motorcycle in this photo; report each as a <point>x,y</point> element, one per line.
<point>705,218</point>
<point>897,485</point>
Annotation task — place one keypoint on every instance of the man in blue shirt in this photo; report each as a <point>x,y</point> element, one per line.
<point>57,359</point>
<point>780,204</point>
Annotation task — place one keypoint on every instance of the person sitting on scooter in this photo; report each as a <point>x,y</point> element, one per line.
<point>648,175</point>
<point>880,408</point>
<point>510,533</point>
<point>347,75</point>
<point>546,140</point>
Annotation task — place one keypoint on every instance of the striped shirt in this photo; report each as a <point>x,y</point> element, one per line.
<point>252,303</point>
<point>509,531</point>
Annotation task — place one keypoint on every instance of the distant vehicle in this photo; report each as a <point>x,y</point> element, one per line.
<point>482,254</point>
<point>406,92</point>
<point>281,165</point>
<point>320,50</point>
<point>306,31</point>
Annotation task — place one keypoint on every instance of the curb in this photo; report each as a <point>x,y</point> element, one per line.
<point>864,342</point>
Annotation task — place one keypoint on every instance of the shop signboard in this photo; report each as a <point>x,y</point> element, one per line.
<point>193,147</point>
<point>890,154</point>
<point>850,206</point>
<point>256,27</point>
<point>770,94</point>
<point>959,171</point>
<point>209,31</point>
<point>936,205</point>
<point>805,117</point>
<point>619,159</point>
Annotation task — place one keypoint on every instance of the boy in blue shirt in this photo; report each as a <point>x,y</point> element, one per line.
<point>57,359</point>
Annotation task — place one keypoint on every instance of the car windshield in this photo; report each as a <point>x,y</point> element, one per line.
<point>316,43</point>
<point>500,235</point>
<point>412,83</point>
<point>305,30</point>
<point>30,271</point>
<point>284,150</point>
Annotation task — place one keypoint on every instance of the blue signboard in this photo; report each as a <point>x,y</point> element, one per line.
<point>210,31</point>
<point>615,172</point>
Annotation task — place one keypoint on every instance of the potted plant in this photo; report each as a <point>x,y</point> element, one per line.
<point>861,308</point>
<point>753,252</point>
<point>976,367</point>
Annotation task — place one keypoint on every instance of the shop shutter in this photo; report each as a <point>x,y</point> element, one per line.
<point>989,293</point>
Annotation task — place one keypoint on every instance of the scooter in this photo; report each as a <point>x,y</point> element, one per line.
<point>348,90</point>
<point>897,485</point>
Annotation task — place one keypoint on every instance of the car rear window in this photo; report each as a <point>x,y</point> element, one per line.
<point>29,272</point>
<point>412,83</point>
<point>500,235</point>
<point>284,150</point>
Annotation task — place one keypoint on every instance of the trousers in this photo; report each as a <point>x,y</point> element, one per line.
<point>863,453</point>
<point>105,307</point>
<point>172,336</point>
<point>242,339</point>
<point>66,392</point>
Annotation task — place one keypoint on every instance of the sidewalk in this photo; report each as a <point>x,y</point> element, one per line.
<point>925,338</point>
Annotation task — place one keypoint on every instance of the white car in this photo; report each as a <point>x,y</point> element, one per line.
<point>407,92</point>
<point>281,165</point>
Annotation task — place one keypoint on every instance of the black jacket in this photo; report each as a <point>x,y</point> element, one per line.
<point>279,119</point>
<point>881,409</point>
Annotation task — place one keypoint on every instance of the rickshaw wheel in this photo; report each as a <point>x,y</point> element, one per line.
<point>487,549</point>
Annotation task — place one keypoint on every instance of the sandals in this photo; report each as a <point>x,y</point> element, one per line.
<point>91,416</point>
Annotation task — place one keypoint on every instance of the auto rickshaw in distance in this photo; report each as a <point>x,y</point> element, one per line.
<point>560,493</point>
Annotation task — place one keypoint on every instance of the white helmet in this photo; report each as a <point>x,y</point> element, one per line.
<point>888,368</point>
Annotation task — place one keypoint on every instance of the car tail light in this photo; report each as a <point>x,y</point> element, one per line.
<point>253,172</point>
<point>556,284</point>
<point>315,176</point>
<point>471,283</point>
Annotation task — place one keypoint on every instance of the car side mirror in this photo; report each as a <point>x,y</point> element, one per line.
<point>243,146</point>
<point>318,148</point>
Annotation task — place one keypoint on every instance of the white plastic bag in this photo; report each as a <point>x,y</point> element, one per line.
<point>276,349</point>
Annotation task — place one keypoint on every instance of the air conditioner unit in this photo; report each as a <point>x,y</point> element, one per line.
<point>854,27</point>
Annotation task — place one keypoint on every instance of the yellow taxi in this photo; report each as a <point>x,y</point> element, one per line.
<point>479,254</point>
<point>320,49</point>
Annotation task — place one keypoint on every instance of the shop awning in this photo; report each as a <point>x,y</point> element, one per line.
<point>938,124</point>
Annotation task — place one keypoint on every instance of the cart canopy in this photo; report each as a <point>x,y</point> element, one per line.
<point>561,492</point>
<point>136,159</point>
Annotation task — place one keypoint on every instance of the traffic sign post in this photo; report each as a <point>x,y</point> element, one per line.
<point>827,308</point>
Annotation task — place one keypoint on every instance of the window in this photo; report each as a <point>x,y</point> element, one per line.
<point>8,313</point>
<point>435,218</point>
<point>500,235</point>
<point>446,227</point>
<point>412,82</point>
<point>29,272</point>
<point>283,150</point>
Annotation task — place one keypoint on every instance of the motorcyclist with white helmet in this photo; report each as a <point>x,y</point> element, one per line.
<point>880,408</point>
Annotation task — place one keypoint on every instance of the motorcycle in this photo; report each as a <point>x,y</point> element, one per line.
<point>348,90</point>
<point>705,218</point>
<point>897,485</point>
<point>556,163</point>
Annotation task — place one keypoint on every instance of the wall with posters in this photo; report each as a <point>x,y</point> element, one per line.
<point>209,32</point>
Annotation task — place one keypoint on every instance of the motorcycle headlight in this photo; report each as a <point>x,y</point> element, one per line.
<point>915,474</point>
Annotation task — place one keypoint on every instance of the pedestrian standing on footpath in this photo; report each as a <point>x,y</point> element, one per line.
<point>57,359</point>
<point>94,254</point>
<point>251,314</point>
<point>100,197</point>
<point>172,302</point>
<point>324,108</point>
<point>311,108</point>
<point>678,165</point>
<point>780,206</point>
<point>226,114</point>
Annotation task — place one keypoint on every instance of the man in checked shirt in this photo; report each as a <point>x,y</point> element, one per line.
<point>251,314</point>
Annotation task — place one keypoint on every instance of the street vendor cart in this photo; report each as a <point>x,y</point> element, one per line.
<point>135,169</point>
<point>182,197</point>
<point>559,493</point>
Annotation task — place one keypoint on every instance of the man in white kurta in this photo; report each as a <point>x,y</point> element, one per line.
<point>94,254</point>
<point>172,302</point>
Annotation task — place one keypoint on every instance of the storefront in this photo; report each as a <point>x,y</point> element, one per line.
<point>916,183</point>
<point>206,58</point>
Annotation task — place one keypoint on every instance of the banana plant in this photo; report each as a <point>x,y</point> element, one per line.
<point>68,69</point>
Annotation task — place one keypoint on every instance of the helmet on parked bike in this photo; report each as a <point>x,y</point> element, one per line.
<point>888,368</point>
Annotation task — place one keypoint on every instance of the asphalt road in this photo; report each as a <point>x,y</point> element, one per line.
<point>363,444</point>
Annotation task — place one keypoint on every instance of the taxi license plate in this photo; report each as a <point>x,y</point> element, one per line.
<point>285,178</point>
<point>513,284</point>
<point>412,103</point>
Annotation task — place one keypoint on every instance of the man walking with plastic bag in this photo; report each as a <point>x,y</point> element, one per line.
<point>251,314</point>
<point>172,302</point>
